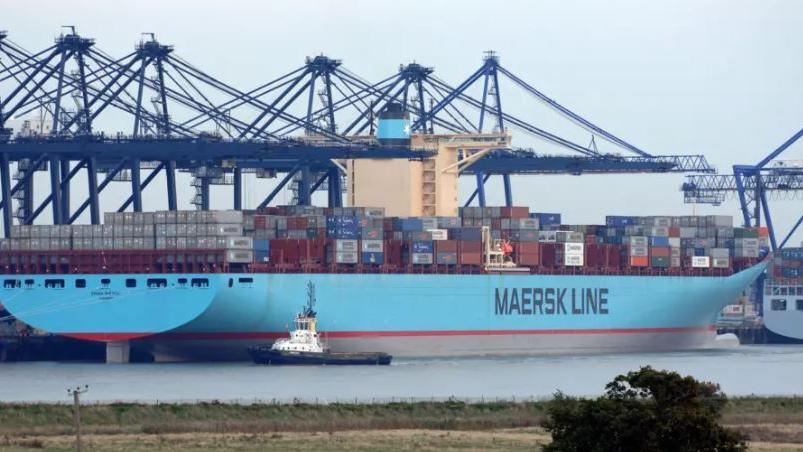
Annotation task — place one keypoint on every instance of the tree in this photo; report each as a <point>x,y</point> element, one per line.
<point>645,410</point>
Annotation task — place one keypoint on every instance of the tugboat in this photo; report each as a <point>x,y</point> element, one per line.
<point>304,345</point>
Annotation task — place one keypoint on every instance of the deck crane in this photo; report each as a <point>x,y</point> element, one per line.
<point>753,185</point>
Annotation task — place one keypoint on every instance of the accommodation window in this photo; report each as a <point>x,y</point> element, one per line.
<point>28,283</point>
<point>231,282</point>
<point>80,283</point>
<point>11,283</point>
<point>799,304</point>
<point>246,280</point>
<point>54,283</point>
<point>105,282</point>
<point>155,283</point>
<point>784,291</point>
<point>778,305</point>
<point>131,282</point>
<point>199,282</point>
<point>182,282</point>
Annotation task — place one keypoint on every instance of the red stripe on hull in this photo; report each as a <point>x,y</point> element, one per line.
<point>350,334</point>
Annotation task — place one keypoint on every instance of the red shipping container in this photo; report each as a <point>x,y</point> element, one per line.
<point>674,232</point>
<point>393,252</point>
<point>470,247</point>
<point>528,259</point>
<point>548,254</point>
<point>660,251</point>
<point>387,224</point>
<point>470,258</point>
<point>514,212</point>
<point>527,248</point>
<point>614,256</point>
<point>496,223</point>
<point>591,239</point>
<point>301,223</point>
<point>445,246</point>
<point>260,222</point>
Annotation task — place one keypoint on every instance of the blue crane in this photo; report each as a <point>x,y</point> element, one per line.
<point>753,185</point>
<point>179,118</point>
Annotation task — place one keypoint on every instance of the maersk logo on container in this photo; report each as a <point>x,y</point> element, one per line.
<point>551,301</point>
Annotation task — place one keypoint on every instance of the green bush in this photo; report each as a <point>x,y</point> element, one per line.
<point>645,410</point>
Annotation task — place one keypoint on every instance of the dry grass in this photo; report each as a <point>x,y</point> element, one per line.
<point>771,423</point>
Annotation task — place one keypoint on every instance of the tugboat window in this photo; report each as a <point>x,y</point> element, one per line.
<point>80,283</point>
<point>54,283</point>
<point>231,282</point>
<point>799,305</point>
<point>131,282</point>
<point>182,282</point>
<point>246,280</point>
<point>28,283</point>
<point>199,282</point>
<point>778,305</point>
<point>104,283</point>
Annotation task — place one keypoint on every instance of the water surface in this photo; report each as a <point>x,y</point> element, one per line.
<point>761,370</point>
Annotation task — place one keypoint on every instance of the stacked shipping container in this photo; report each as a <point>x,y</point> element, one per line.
<point>292,236</point>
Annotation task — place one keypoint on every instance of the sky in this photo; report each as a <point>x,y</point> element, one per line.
<point>713,77</point>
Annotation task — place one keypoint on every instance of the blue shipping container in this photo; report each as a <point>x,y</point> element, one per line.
<point>699,252</point>
<point>546,218</point>
<point>619,222</point>
<point>468,234</point>
<point>659,241</point>
<point>373,258</point>
<point>261,256</point>
<point>261,245</point>
<point>408,224</point>
<point>422,247</point>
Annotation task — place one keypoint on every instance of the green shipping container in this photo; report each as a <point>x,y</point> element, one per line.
<point>659,261</point>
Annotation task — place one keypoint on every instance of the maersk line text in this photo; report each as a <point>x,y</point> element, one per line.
<point>551,301</point>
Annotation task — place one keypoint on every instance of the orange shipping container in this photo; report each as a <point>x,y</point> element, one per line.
<point>639,261</point>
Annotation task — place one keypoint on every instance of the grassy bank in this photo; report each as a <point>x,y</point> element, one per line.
<point>429,425</point>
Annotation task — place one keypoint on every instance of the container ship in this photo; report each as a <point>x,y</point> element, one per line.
<point>783,298</point>
<point>205,285</point>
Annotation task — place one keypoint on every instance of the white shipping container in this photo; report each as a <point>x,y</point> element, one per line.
<point>229,229</point>
<point>573,248</point>
<point>674,242</point>
<point>372,246</point>
<point>721,262</point>
<point>573,260</point>
<point>719,252</point>
<point>346,257</point>
<point>439,234</point>
<point>226,216</point>
<point>700,262</point>
<point>638,240</point>
<point>421,258</point>
<point>239,256</point>
<point>239,243</point>
<point>350,246</point>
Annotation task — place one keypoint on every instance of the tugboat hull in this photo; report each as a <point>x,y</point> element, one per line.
<point>264,355</point>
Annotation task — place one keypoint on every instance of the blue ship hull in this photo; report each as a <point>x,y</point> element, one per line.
<point>217,316</point>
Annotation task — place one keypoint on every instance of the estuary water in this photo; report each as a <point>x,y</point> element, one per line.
<point>744,370</point>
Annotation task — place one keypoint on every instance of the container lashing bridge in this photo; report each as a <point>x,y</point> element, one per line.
<point>302,125</point>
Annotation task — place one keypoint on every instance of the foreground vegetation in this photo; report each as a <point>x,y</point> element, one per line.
<point>769,424</point>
